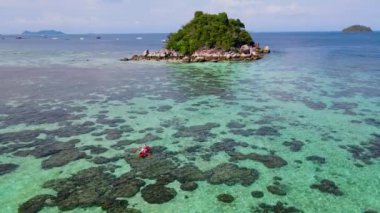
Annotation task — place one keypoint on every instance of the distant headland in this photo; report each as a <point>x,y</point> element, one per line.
<point>357,28</point>
<point>43,33</point>
<point>207,37</point>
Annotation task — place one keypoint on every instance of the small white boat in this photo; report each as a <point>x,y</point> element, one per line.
<point>54,38</point>
<point>163,40</point>
<point>81,38</point>
<point>139,38</point>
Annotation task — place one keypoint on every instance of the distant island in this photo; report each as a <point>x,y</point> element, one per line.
<point>208,37</point>
<point>43,32</point>
<point>357,28</point>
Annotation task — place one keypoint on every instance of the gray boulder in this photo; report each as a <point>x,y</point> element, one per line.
<point>245,49</point>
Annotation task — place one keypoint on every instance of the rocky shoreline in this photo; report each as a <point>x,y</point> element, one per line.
<point>245,53</point>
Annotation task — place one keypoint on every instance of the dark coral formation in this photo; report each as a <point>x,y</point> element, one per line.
<point>126,186</point>
<point>271,161</point>
<point>283,96</point>
<point>121,206</point>
<point>243,132</point>
<point>235,125</point>
<point>267,131</point>
<point>62,158</point>
<point>279,207</point>
<point>175,123</point>
<point>294,145</point>
<point>277,190</point>
<point>373,122</point>
<point>347,107</point>
<point>164,108</point>
<point>316,159</point>
<point>153,168</point>
<point>237,128</point>
<point>200,133</point>
<point>327,186</point>
<point>189,173</point>
<point>257,194</point>
<point>315,105</point>
<point>225,198</point>
<point>113,134</point>
<point>189,186</point>
<point>73,130</point>
<point>370,211</point>
<point>165,179</point>
<point>47,148</point>
<point>267,119</point>
<point>30,142</point>
<point>7,168</point>
<point>160,163</point>
<point>35,115</point>
<point>35,204</point>
<point>104,160</point>
<point>59,153</point>
<point>126,128</point>
<point>145,140</point>
<point>365,152</point>
<point>94,150</point>
<point>19,137</point>
<point>114,122</point>
<point>158,194</point>
<point>227,145</point>
<point>93,187</point>
<point>231,174</point>
<point>193,149</point>
<point>165,171</point>
<point>191,109</point>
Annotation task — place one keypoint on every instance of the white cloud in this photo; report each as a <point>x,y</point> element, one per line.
<point>257,7</point>
<point>56,20</point>
<point>290,9</point>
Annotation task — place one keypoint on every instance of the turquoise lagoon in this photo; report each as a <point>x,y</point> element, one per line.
<point>300,128</point>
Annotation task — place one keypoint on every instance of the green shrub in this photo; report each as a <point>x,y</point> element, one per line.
<point>209,31</point>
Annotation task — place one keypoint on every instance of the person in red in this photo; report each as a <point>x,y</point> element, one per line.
<point>145,151</point>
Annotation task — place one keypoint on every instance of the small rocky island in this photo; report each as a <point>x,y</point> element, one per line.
<point>356,29</point>
<point>43,33</point>
<point>207,37</point>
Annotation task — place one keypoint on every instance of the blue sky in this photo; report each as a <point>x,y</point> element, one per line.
<point>134,16</point>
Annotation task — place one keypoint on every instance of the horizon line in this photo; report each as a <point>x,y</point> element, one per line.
<point>134,33</point>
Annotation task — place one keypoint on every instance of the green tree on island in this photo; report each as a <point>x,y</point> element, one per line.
<point>209,31</point>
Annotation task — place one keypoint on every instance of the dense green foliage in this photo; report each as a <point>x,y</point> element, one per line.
<point>209,31</point>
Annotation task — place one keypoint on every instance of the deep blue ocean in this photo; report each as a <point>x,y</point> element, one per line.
<point>297,131</point>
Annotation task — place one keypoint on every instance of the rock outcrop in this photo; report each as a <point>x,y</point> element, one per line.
<point>245,53</point>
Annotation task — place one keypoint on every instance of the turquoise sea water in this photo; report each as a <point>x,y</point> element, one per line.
<point>298,131</point>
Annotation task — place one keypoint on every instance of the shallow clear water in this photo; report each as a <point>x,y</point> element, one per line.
<point>301,125</point>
